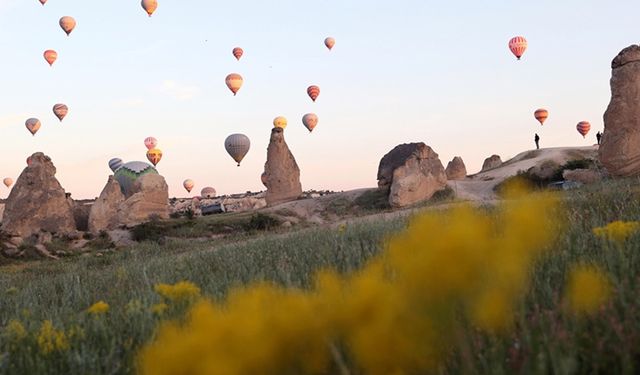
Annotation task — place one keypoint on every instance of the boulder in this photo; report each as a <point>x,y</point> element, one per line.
<point>619,150</point>
<point>456,170</point>
<point>411,173</point>
<point>149,200</point>
<point>104,211</point>
<point>585,176</point>
<point>491,162</point>
<point>281,173</point>
<point>37,202</point>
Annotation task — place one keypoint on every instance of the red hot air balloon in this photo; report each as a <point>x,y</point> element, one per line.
<point>237,53</point>
<point>583,128</point>
<point>518,45</point>
<point>51,56</point>
<point>60,110</point>
<point>541,115</point>
<point>313,92</point>
<point>330,42</point>
<point>67,24</point>
<point>150,143</point>
<point>149,6</point>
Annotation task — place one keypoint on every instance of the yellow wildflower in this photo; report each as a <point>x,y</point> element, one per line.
<point>98,308</point>
<point>342,228</point>
<point>15,331</point>
<point>617,231</point>
<point>587,289</point>
<point>159,308</point>
<point>50,339</point>
<point>184,291</point>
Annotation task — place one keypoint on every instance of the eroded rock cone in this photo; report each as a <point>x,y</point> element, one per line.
<point>491,162</point>
<point>281,173</point>
<point>619,149</point>
<point>38,202</point>
<point>150,200</point>
<point>411,173</point>
<point>104,212</point>
<point>456,170</point>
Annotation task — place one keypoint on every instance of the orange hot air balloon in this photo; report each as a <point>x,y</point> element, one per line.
<point>51,56</point>
<point>234,82</point>
<point>313,92</point>
<point>149,6</point>
<point>33,125</point>
<point>67,24</point>
<point>583,128</point>
<point>150,143</point>
<point>541,115</point>
<point>330,42</point>
<point>310,120</point>
<point>188,185</point>
<point>154,156</point>
<point>7,182</point>
<point>60,110</point>
<point>237,53</point>
<point>518,45</point>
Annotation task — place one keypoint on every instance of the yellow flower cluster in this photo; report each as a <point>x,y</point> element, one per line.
<point>587,289</point>
<point>400,314</point>
<point>183,291</point>
<point>98,308</point>
<point>617,231</point>
<point>15,331</point>
<point>50,339</point>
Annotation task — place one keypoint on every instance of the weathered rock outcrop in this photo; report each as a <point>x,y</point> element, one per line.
<point>104,212</point>
<point>456,170</point>
<point>151,199</point>
<point>37,202</point>
<point>411,173</point>
<point>619,149</point>
<point>491,162</point>
<point>545,170</point>
<point>281,173</point>
<point>585,176</point>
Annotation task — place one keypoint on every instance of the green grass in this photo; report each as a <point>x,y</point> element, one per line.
<point>545,339</point>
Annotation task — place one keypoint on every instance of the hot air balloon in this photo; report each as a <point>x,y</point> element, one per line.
<point>149,6</point>
<point>150,143</point>
<point>280,122</point>
<point>583,128</point>
<point>237,53</point>
<point>43,1</point>
<point>67,24</point>
<point>7,182</point>
<point>51,56</point>
<point>234,82</point>
<point>310,120</point>
<point>330,42</point>
<point>208,192</point>
<point>28,161</point>
<point>541,115</point>
<point>264,178</point>
<point>313,92</point>
<point>60,110</point>
<point>154,155</point>
<point>518,45</point>
<point>188,185</point>
<point>128,173</point>
<point>237,145</point>
<point>33,125</point>
<point>115,163</point>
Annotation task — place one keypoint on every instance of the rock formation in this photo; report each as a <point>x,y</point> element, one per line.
<point>37,202</point>
<point>456,170</point>
<point>411,173</point>
<point>620,146</point>
<point>585,176</point>
<point>281,173</point>
<point>491,162</point>
<point>103,215</point>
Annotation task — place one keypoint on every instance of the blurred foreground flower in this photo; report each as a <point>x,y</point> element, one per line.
<point>159,308</point>
<point>587,289</point>
<point>50,339</point>
<point>617,231</point>
<point>184,291</point>
<point>15,331</point>
<point>98,308</point>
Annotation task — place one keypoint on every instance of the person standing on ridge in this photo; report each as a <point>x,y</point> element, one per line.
<point>537,139</point>
<point>598,136</point>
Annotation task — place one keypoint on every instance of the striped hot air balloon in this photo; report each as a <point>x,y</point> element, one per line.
<point>50,56</point>
<point>115,163</point>
<point>149,6</point>
<point>208,192</point>
<point>330,42</point>
<point>188,185</point>
<point>313,92</point>
<point>234,82</point>
<point>310,120</point>
<point>67,24</point>
<point>541,115</point>
<point>583,128</point>
<point>518,45</point>
<point>237,53</point>
<point>60,110</point>
<point>33,125</point>
<point>237,145</point>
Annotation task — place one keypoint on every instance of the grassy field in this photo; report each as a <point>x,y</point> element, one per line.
<point>546,336</point>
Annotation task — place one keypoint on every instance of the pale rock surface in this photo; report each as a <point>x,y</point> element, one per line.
<point>151,199</point>
<point>281,173</point>
<point>491,162</point>
<point>619,149</point>
<point>104,211</point>
<point>456,170</point>
<point>585,176</point>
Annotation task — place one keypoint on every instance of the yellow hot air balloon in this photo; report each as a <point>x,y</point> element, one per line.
<point>280,122</point>
<point>234,82</point>
<point>67,24</point>
<point>188,185</point>
<point>154,156</point>
<point>149,6</point>
<point>7,182</point>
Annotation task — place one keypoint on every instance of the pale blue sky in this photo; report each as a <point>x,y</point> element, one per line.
<point>401,71</point>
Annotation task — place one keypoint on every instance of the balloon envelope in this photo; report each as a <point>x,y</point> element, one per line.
<point>150,143</point>
<point>128,173</point>
<point>234,82</point>
<point>310,120</point>
<point>313,92</point>
<point>149,6</point>
<point>154,155</point>
<point>237,53</point>
<point>50,56</point>
<point>115,163</point>
<point>518,45</point>
<point>33,125</point>
<point>541,115</point>
<point>60,110</point>
<point>237,145</point>
<point>7,182</point>
<point>67,24</point>
<point>330,42</point>
<point>188,185</point>
<point>280,122</point>
<point>583,128</point>
<point>208,192</point>
<point>43,2</point>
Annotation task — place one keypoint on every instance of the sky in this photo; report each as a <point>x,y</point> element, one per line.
<point>401,71</point>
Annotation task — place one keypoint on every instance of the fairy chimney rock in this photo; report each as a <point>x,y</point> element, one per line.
<point>456,170</point>
<point>491,162</point>
<point>281,173</point>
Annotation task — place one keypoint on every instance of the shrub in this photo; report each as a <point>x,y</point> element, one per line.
<point>261,221</point>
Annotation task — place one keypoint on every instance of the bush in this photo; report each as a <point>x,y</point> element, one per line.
<point>261,222</point>
<point>374,200</point>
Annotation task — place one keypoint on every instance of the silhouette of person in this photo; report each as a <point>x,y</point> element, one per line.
<point>598,136</point>
<point>537,139</point>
